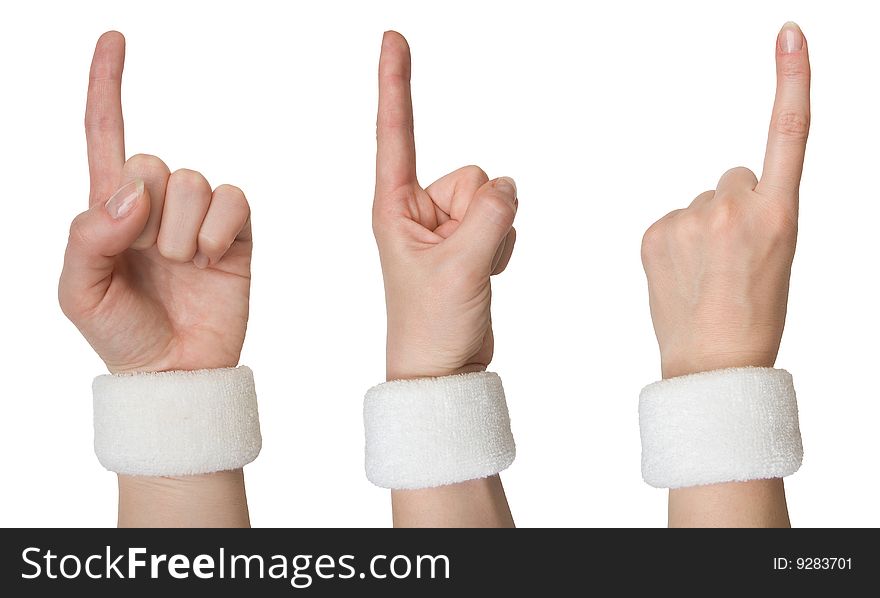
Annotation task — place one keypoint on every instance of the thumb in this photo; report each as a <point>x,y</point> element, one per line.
<point>487,221</point>
<point>97,236</point>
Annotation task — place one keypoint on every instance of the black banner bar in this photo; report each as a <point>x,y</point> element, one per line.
<point>320,562</point>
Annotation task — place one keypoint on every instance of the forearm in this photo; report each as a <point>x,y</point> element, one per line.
<point>476,503</point>
<point>211,500</point>
<point>756,503</point>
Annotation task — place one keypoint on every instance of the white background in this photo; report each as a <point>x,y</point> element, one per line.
<point>608,116</point>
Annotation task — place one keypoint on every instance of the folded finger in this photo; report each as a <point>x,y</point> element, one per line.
<point>154,173</point>
<point>227,217</point>
<point>187,198</point>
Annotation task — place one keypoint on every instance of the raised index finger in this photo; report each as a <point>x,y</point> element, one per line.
<point>790,123</point>
<point>105,136</point>
<point>396,150</point>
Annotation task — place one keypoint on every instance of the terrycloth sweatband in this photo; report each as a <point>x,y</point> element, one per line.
<point>437,431</point>
<point>176,423</point>
<point>721,426</point>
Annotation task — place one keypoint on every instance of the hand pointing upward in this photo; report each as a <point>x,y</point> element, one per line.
<point>438,244</point>
<point>157,271</point>
<point>718,271</point>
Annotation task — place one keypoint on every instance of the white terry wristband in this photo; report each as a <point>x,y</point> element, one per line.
<point>176,423</point>
<point>721,426</point>
<point>437,431</point>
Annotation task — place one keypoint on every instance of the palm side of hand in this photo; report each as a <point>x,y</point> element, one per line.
<point>438,245</point>
<point>162,315</point>
<point>157,270</point>
<point>434,297</point>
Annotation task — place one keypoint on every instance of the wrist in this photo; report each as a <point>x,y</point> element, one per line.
<point>682,364</point>
<point>408,360</point>
<point>395,371</point>
<point>201,362</point>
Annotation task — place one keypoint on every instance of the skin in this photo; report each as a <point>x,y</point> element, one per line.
<point>438,246</point>
<point>718,278</point>
<point>157,277</point>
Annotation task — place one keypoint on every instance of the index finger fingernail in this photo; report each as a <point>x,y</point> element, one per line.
<point>792,39</point>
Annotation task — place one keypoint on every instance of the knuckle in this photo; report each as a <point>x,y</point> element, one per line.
<point>793,70</point>
<point>475,173</point>
<point>783,223</point>
<point>230,191</point>
<point>101,120</point>
<point>688,227</point>
<point>702,198</point>
<point>232,196</point>
<point>652,242</point>
<point>725,193</point>
<point>724,216</point>
<point>210,245</point>
<point>792,123</point>
<point>78,233</point>
<point>739,172</point>
<point>189,178</point>
<point>146,164</point>
<point>498,206</point>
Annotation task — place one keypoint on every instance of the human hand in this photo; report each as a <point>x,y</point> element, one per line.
<point>438,245</point>
<point>718,271</point>
<point>157,270</point>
